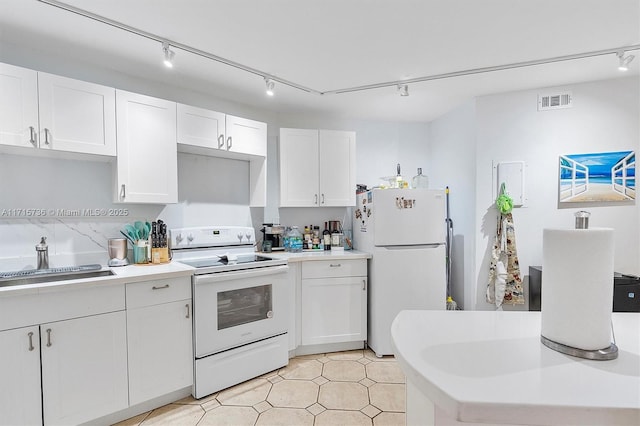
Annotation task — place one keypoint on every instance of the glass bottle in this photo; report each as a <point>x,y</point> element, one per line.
<point>420,180</point>
<point>316,237</point>
<point>326,237</point>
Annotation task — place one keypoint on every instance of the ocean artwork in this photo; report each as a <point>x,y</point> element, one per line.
<point>597,177</point>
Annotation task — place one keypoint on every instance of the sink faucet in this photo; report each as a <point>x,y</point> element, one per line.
<point>42,250</point>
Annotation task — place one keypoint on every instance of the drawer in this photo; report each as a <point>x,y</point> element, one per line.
<point>156,292</point>
<point>50,306</point>
<point>334,268</point>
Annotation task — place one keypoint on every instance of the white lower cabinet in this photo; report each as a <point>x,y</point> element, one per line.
<point>20,377</point>
<point>84,368</point>
<point>159,338</point>
<point>333,302</point>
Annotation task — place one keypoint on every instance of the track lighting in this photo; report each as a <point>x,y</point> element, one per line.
<point>269,83</point>
<point>401,84</point>
<point>624,61</point>
<point>403,89</point>
<point>168,55</point>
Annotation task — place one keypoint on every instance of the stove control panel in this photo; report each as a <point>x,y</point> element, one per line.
<point>212,236</point>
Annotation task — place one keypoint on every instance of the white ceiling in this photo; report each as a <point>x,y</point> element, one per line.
<point>333,44</point>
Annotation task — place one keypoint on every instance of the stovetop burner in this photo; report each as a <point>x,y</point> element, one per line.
<point>216,249</point>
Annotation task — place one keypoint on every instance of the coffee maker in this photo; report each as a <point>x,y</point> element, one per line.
<point>274,234</point>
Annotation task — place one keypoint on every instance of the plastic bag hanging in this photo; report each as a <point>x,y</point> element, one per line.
<point>504,202</point>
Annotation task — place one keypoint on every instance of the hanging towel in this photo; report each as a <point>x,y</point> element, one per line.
<point>505,284</point>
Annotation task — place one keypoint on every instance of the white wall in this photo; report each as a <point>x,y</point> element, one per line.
<point>604,117</point>
<point>466,142</point>
<point>452,140</point>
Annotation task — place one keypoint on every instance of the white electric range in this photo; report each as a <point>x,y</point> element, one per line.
<point>240,305</point>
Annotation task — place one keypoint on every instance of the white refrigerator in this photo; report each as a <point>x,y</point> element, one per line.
<point>405,231</point>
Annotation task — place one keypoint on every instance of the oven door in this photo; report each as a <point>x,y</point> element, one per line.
<point>238,307</point>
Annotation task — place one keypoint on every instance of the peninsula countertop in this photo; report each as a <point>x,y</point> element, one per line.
<point>490,367</point>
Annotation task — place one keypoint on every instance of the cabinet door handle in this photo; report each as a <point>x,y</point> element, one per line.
<point>160,288</point>
<point>315,200</point>
<point>123,192</point>
<point>46,136</point>
<point>31,341</point>
<point>364,285</point>
<point>48,337</point>
<point>322,198</point>
<point>220,141</point>
<point>32,135</point>
<point>335,265</point>
<point>187,306</point>
<point>229,143</point>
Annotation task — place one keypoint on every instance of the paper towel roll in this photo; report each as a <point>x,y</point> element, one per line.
<point>577,287</point>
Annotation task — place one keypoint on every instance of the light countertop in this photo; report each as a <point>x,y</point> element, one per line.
<point>490,367</point>
<point>135,273</point>
<point>130,273</point>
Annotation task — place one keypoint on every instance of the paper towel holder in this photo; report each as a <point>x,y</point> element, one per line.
<point>605,354</point>
<point>582,219</point>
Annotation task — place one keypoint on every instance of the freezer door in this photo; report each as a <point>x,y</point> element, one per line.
<point>408,216</point>
<point>399,279</point>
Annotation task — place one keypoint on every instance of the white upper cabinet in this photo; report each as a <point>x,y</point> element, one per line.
<point>299,178</point>
<point>40,110</point>
<point>76,116</point>
<point>317,168</point>
<point>246,136</point>
<point>147,163</point>
<point>211,133</point>
<point>207,132</point>
<point>201,127</point>
<point>18,106</point>
<point>337,168</point>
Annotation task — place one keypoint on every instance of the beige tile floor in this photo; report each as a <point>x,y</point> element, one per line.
<point>339,388</point>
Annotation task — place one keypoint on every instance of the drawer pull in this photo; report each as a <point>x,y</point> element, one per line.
<point>335,265</point>
<point>160,288</point>
<point>31,341</point>
<point>48,337</point>
<point>187,306</point>
<point>364,285</point>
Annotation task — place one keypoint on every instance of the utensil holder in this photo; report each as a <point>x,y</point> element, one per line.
<point>140,254</point>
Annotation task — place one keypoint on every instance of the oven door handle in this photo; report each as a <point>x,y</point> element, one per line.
<point>237,275</point>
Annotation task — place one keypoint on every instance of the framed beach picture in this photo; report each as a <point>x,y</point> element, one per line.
<point>598,177</point>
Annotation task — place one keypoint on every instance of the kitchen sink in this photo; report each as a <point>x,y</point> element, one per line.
<point>36,276</point>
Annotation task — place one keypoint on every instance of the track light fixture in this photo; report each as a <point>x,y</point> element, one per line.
<point>403,89</point>
<point>624,61</point>
<point>269,83</point>
<point>168,55</point>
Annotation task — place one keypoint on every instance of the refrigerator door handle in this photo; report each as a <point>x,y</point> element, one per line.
<point>413,246</point>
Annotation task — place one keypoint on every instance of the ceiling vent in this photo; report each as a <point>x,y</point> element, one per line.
<point>548,101</point>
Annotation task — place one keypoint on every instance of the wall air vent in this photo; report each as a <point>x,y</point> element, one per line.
<point>548,101</point>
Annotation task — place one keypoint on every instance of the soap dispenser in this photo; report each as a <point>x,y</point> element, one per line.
<point>42,250</point>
